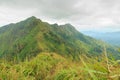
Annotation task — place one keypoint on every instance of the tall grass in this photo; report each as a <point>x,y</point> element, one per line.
<point>51,66</point>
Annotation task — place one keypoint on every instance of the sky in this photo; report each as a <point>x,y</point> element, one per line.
<point>94,15</point>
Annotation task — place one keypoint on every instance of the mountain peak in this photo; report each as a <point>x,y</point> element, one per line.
<point>69,26</point>
<point>32,17</point>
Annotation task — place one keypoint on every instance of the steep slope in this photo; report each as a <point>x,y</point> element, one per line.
<point>31,36</point>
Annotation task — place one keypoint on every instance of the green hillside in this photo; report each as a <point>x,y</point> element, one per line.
<point>32,36</point>
<point>36,50</point>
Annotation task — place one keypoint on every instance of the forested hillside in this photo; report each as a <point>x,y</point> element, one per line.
<point>36,50</point>
<point>32,36</point>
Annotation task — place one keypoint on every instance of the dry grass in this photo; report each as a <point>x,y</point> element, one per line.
<point>51,66</point>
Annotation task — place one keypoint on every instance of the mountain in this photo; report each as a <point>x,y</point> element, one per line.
<point>32,36</point>
<point>109,37</point>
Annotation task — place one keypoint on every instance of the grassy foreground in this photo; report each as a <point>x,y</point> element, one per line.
<point>51,66</point>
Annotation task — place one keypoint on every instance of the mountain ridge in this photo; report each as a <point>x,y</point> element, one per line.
<point>29,37</point>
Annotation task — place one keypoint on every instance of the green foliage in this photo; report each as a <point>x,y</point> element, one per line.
<point>25,52</point>
<point>32,36</point>
<point>51,66</point>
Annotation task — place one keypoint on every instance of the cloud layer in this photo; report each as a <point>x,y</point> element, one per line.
<point>83,14</point>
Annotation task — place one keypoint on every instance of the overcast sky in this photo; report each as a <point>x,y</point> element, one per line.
<point>83,14</point>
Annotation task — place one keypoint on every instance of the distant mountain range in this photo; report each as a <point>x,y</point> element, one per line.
<point>33,36</point>
<point>109,37</point>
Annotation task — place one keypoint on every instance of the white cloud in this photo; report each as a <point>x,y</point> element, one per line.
<point>83,14</point>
